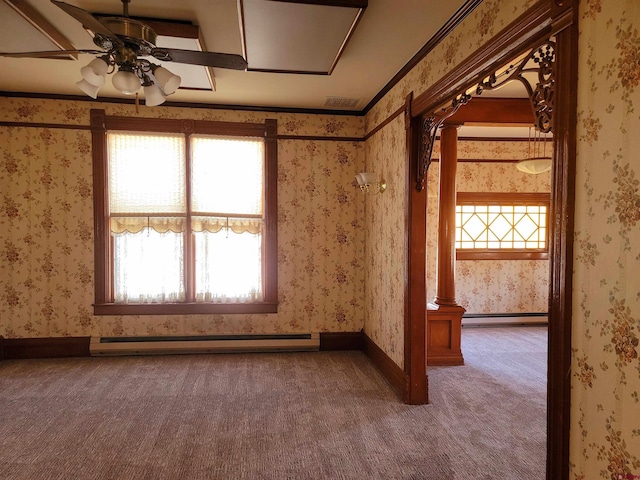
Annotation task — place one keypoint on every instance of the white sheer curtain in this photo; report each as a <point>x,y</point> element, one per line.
<point>148,267</point>
<point>227,178</point>
<point>147,203</point>
<point>228,267</point>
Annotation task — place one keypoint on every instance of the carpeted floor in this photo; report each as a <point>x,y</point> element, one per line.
<point>325,415</point>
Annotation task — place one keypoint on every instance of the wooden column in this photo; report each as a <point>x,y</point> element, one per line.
<point>444,315</point>
<point>446,291</point>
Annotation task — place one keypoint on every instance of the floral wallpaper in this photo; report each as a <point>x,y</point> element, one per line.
<point>488,286</point>
<point>385,244</point>
<point>46,227</point>
<point>605,410</point>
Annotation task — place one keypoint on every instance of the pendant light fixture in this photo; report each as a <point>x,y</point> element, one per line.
<point>537,160</point>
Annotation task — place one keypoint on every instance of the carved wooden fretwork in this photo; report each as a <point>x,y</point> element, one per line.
<point>534,69</point>
<point>430,126</point>
<point>536,72</point>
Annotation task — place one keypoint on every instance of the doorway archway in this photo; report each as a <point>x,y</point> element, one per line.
<point>545,19</point>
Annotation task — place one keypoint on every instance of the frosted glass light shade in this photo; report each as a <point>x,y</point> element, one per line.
<point>126,82</point>
<point>368,177</point>
<point>89,89</point>
<point>534,166</point>
<point>153,96</point>
<point>168,81</point>
<point>368,182</point>
<point>95,72</point>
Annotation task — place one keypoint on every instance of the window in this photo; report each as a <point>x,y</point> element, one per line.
<point>185,216</point>
<point>502,226</point>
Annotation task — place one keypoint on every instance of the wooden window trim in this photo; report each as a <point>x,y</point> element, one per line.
<point>504,198</point>
<point>103,249</point>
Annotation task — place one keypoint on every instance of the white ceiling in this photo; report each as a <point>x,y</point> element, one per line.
<point>388,35</point>
<point>502,131</point>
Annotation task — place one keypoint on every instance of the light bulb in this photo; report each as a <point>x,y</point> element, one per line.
<point>95,72</point>
<point>153,96</point>
<point>167,80</point>
<point>126,82</point>
<point>88,88</point>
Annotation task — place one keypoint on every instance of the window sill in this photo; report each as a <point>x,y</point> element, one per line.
<point>501,255</point>
<point>183,308</point>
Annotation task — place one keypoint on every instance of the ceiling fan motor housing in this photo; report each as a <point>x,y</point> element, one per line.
<point>134,34</point>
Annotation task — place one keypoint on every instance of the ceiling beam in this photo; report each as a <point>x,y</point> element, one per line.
<point>494,110</point>
<point>40,23</point>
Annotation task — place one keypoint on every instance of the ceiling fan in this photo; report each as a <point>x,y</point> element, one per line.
<point>123,41</point>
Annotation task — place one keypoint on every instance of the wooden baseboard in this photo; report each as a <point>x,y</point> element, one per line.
<point>391,372</point>
<point>54,347</point>
<point>60,347</point>
<point>341,341</point>
<point>444,360</point>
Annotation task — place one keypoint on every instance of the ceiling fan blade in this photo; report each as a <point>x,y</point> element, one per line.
<point>49,54</point>
<point>88,21</point>
<point>207,59</point>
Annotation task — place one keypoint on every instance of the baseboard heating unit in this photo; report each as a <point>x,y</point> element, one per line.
<point>294,342</point>
<point>504,319</point>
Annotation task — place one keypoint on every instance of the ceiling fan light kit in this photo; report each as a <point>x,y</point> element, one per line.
<point>167,80</point>
<point>125,80</point>
<point>133,72</point>
<point>153,96</point>
<point>131,75</point>
<point>88,88</point>
<point>124,41</point>
<point>95,71</point>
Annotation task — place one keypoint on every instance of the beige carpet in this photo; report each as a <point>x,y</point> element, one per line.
<point>326,415</point>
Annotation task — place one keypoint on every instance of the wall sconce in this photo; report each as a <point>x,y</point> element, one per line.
<point>369,184</point>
